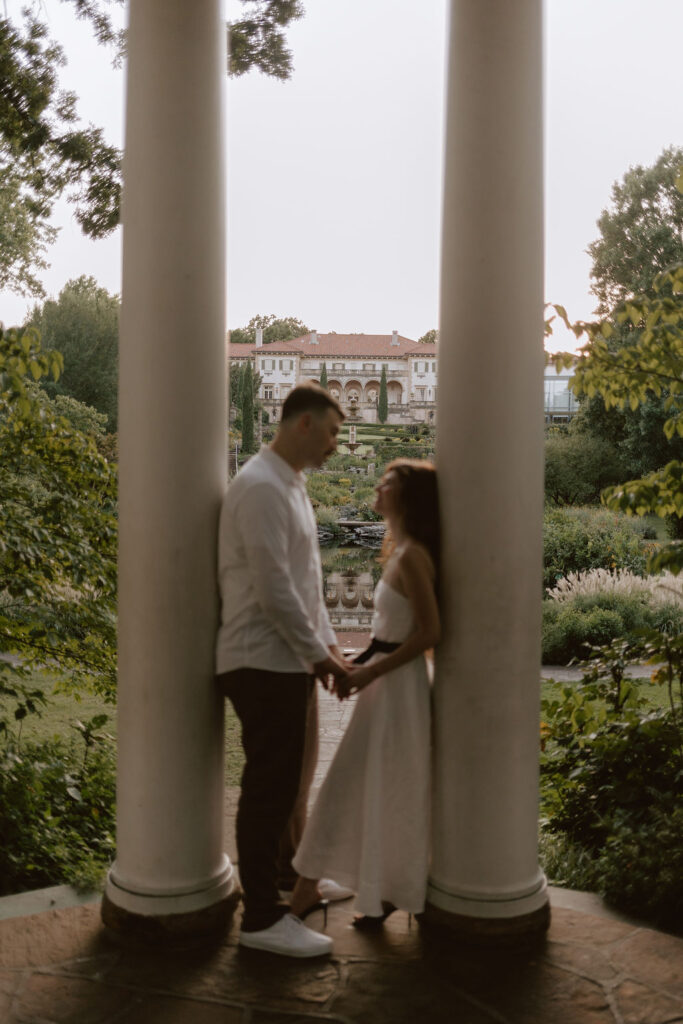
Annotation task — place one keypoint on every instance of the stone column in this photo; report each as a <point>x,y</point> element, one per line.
<point>485,877</point>
<point>170,869</point>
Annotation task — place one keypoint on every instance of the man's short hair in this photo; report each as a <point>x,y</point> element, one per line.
<point>309,397</point>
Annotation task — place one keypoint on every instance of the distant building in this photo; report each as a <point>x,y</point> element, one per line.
<point>559,403</point>
<point>354,369</point>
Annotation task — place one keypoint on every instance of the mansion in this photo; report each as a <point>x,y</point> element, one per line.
<point>353,363</point>
<point>354,367</point>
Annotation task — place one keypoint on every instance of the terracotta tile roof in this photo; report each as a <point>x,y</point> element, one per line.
<point>343,345</point>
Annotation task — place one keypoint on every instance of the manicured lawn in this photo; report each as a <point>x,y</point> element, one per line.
<point>657,696</point>
<point>64,709</point>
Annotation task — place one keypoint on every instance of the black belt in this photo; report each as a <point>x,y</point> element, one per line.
<point>376,647</point>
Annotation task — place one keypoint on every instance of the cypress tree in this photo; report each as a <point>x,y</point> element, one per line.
<point>323,375</point>
<point>383,401</point>
<point>247,411</point>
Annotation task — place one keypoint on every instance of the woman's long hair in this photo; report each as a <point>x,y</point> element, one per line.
<point>419,503</point>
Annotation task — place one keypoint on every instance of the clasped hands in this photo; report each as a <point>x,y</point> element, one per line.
<point>341,677</point>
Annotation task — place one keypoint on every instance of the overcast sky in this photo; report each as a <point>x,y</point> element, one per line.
<point>334,179</point>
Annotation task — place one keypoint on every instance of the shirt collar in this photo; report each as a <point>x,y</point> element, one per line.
<point>282,467</point>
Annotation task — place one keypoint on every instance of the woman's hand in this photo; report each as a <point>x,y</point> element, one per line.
<point>356,680</point>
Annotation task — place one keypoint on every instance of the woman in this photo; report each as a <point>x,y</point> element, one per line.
<point>370,826</point>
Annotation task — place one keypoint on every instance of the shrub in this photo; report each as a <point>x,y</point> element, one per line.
<point>663,589</point>
<point>643,868</point>
<point>612,782</point>
<point>327,517</point>
<point>571,626</point>
<point>578,466</point>
<point>577,539</point>
<point>56,815</point>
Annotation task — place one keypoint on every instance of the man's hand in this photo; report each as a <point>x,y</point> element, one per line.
<point>332,667</point>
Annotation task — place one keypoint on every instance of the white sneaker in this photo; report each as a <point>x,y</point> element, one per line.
<point>289,937</point>
<point>333,891</point>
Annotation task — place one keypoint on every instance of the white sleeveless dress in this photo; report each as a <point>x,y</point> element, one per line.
<point>370,826</point>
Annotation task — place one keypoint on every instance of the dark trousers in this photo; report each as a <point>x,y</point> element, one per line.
<point>273,709</point>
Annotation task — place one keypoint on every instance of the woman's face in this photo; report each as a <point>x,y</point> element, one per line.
<point>387,495</point>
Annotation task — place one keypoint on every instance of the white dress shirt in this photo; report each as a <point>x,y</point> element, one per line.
<point>273,613</point>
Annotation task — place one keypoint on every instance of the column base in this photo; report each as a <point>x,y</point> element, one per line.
<point>491,931</point>
<point>169,919</point>
<point>169,931</point>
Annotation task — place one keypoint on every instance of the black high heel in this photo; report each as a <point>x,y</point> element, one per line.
<point>368,923</point>
<point>318,905</point>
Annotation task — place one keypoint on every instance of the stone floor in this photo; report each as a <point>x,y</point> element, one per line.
<point>57,966</point>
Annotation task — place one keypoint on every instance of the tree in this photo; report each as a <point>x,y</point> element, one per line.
<point>258,40</point>
<point>58,533</point>
<point>274,329</point>
<point>247,411</point>
<point>578,466</point>
<point>383,401</point>
<point>323,375</point>
<point>46,154</point>
<point>83,324</point>
<point>234,394</point>
<point>627,377</point>
<point>639,237</point>
<point>430,338</point>
<point>640,234</point>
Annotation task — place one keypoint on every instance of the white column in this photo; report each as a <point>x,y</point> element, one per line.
<point>173,434</point>
<point>485,875</point>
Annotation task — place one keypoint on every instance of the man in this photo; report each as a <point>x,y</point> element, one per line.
<point>275,638</point>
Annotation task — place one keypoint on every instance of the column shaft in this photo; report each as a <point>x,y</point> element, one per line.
<point>173,431</point>
<point>490,459</point>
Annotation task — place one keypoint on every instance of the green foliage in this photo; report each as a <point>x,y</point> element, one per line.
<point>640,234</point>
<point>83,324</point>
<point>274,329</point>
<point>652,365</point>
<point>258,40</point>
<point>247,411</point>
<point>57,530</point>
<point>430,338</point>
<point>575,539</point>
<point>57,815</point>
<point>630,372</point>
<point>578,466</point>
<point>612,776</point>
<point>323,375</point>
<point>383,401</point>
<point>570,628</point>
<point>44,152</point>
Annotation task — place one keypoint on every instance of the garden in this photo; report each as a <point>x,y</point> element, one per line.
<point>612,604</point>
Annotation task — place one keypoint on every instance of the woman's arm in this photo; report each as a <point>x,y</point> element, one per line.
<point>416,576</point>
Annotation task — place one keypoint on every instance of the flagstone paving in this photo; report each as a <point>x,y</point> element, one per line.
<point>60,967</point>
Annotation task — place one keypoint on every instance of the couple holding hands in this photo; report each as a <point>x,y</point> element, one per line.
<point>368,833</point>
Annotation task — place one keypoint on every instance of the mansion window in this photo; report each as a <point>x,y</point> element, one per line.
<point>420,394</point>
<point>337,366</point>
<point>284,390</point>
<point>286,364</point>
<point>369,366</point>
<point>433,367</point>
<point>268,392</point>
<point>268,364</point>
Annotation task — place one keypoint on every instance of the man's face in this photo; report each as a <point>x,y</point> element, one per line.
<point>321,431</point>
